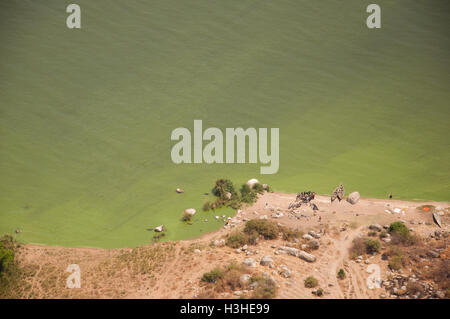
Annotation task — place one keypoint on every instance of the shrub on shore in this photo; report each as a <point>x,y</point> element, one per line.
<point>10,273</point>
<point>311,282</point>
<point>341,274</point>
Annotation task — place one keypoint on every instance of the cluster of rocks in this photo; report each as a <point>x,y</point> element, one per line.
<point>409,287</point>
<point>297,253</point>
<point>248,251</point>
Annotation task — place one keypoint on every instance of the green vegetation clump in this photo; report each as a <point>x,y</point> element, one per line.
<point>319,292</point>
<point>265,228</point>
<point>226,195</point>
<point>401,234</point>
<point>372,246</point>
<point>396,262</point>
<point>341,274</point>
<point>10,273</point>
<point>311,282</point>
<point>213,275</point>
<point>239,239</point>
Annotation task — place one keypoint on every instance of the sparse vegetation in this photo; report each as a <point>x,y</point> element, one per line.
<point>311,282</point>
<point>265,228</point>
<point>213,275</point>
<point>401,234</point>
<point>396,262</point>
<point>10,273</point>
<point>361,246</point>
<point>290,234</point>
<point>266,288</point>
<point>341,274</point>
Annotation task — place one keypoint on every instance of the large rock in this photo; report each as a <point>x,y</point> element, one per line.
<point>285,271</point>
<point>307,237</point>
<point>250,262</point>
<point>307,257</point>
<point>314,244</point>
<point>252,182</point>
<point>290,250</point>
<point>353,198</point>
<point>190,211</point>
<point>266,260</point>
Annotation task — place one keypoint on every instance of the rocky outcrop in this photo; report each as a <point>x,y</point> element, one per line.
<point>306,256</point>
<point>266,260</point>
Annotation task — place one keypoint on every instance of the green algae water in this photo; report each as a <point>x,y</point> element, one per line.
<point>86,115</point>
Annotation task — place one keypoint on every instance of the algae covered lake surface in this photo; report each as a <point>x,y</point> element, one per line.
<point>86,114</point>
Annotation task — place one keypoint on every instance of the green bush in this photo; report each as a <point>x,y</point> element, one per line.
<point>265,228</point>
<point>213,275</point>
<point>319,292</point>
<point>341,274</point>
<point>372,246</point>
<point>258,188</point>
<point>10,273</point>
<point>247,195</point>
<point>311,282</point>
<point>239,239</point>
<point>396,262</point>
<point>399,228</point>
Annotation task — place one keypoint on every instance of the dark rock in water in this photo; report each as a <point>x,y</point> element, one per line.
<point>149,229</point>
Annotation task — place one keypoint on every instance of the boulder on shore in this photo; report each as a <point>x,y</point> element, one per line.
<point>353,198</point>
<point>252,182</point>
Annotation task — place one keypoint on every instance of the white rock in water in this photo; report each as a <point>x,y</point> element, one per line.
<point>179,190</point>
<point>353,198</point>
<point>252,182</point>
<point>159,228</point>
<point>190,211</point>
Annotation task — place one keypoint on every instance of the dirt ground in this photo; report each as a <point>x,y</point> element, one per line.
<point>174,269</point>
